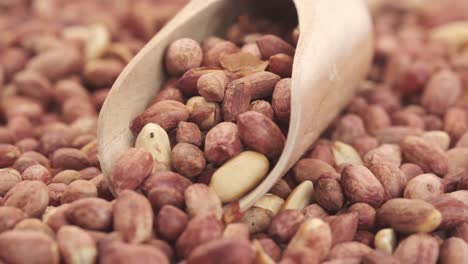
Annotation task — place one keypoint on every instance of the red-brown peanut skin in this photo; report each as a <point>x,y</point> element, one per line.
<point>133,216</point>
<point>90,213</point>
<point>30,196</point>
<point>167,114</point>
<point>270,45</point>
<point>261,134</point>
<point>170,222</point>
<point>418,248</point>
<point>19,247</point>
<point>285,224</point>
<point>200,229</point>
<point>9,217</point>
<point>343,227</point>
<point>360,185</point>
<point>76,245</point>
<point>120,253</point>
<point>8,155</point>
<point>222,143</point>
<point>229,251</point>
<point>131,169</point>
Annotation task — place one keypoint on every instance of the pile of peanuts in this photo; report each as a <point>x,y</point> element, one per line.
<point>387,182</point>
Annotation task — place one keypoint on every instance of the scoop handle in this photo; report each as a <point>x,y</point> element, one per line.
<point>333,54</point>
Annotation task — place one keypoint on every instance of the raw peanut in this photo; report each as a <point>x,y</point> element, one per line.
<point>69,158</point>
<point>239,175</point>
<point>461,195</point>
<point>396,134</point>
<point>201,199</point>
<point>407,118</point>
<point>409,216</point>
<point>223,250</point>
<point>53,139</point>
<point>379,257</point>
<point>19,246</point>
<point>8,178</point>
<point>461,231</point>
<point>56,64</point>
<point>170,222</point>
<point>461,143</point>
<point>454,250</point>
<point>393,180</point>
<point>252,48</point>
<point>90,213</point>
<point>66,176</point>
<point>323,150</point>
<point>360,185</point>
<point>437,138</point>
<point>366,215</point>
<point>424,187</point>
<point>188,133</point>
<point>343,261</point>
<point>453,211</point>
<point>55,217</point>
<point>236,231</point>
<point>385,240</point>
<point>386,153</point>
<point>7,136</point>
<point>270,45</point>
<point>416,248</point>
<point>32,197</point>
<point>133,216</point>
<point>281,189</point>
<point>433,122</point>
<point>457,159</point>
<point>200,229</point>
<point>281,100</point>
<point>314,234</point>
<point>236,100</point>
<point>17,58</point>
<point>22,106</point>
<point>222,143</point>
<point>89,173</point>
<point>78,189</point>
<point>167,114</point>
<point>285,224</point>
<point>76,108</point>
<point>345,154</point>
<point>311,169</point>
<point>348,128</point>
<point>411,170</point>
<point>188,159</point>
<point>261,134</point>
<point>455,180</point>
<point>34,224</point>
<point>212,85</point>
<point>166,179</point>
<point>262,257</point>
<point>163,246</point>
<point>300,197</point>
<point>455,122</point>
<point>56,191</point>
<point>300,255</point>
<point>8,154</point>
<point>169,93</point>
<point>34,85</point>
<point>182,55</point>
<point>328,193</point>
<point>257,219</point>
<point>343,227</point>
<point>314,211</point>
<point>37,172</point>
<point>270,248</point>
<point>188,82</point>
<point>153,139</point>
<point>281,64</point>
<point>76,246</point>
<point>270,202</point>
<point>30,158</point>
<point>349,250</point>
<point>9,217</point>
<point>68,88</point>
<point>203,113</point>
<point>210,42</point>
<point>262,107</point>
<point>131,169</point>
<point>428,157</point>
<point>120,253</point>
<point>260,84</point>
<point>212,56</point>
<point>365,237</point>
<point>441,92</point>
<point>376,118</point>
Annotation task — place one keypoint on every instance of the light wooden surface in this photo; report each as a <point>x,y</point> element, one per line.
<point>333,54</point>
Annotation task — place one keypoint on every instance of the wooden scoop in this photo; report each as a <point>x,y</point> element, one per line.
<point>332,56</point>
